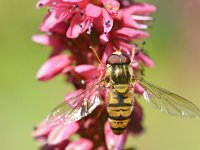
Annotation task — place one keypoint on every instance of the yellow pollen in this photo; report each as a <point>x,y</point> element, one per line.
<point>116,8</point>
<point>107,6</point>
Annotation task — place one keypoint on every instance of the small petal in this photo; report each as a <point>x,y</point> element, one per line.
<point>87,71</point>
<point>42,130</point>
<point>78,25</point>
<point>53,3</point>
<point>129,22</point>
<point>42,3</point>
<point>107,21</point>
<point>143,8</point>
<point>42,39</point>
<point>62,133</point>
<point>80,144</point>
<point>54,41</point>
<point>147,61</point>
<point>53,66</point>
<point>129,33</point>
<point>57,15</point>
<point>93,11</point>
<point>68,69</point>
<point>107,52</point>
<point>135,64</point>
<point>104,38</point>
<point>59,28</point>
<point>49,40</point>
<point>72,1</point>
<point>113,141</point>
<point>126,47</point>
<point>142,18</point>
<point>138,89</point>
<point>138,9</point>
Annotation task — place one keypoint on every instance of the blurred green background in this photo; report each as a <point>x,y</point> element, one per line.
<point>174,46</point>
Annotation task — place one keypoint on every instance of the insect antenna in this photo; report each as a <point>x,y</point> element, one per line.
<point>119,50</point>
<point>133,53</point>
<point>95,52</point>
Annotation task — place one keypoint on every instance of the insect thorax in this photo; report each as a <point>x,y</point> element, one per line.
<point>119,76</point>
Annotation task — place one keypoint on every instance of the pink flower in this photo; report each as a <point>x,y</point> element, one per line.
<point>53,66</point>
<point>112,6</point>
<point>80,144</point>
<point>73,26</point>
<point>113,141</point>
<point>55,136</point>
<point>56,42</point>
<point>135,15</point>
<point>61,133</point>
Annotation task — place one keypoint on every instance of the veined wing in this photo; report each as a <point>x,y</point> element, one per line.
<point>76,107</point>
<point>167,101</point>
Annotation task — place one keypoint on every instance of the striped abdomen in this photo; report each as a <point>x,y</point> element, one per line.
<point>119,109</point>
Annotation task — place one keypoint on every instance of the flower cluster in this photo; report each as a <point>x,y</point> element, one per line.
<point>75,25</point>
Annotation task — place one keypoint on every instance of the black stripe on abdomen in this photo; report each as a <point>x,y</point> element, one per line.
<point>118,129</point>
<point>120,105</point>
<point>119,118</point>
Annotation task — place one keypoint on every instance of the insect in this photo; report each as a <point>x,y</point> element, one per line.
<point>119,82</point>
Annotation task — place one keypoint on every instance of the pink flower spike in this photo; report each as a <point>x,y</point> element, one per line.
<point>87,71</point>
<point>113,141</point>
<point>62,133</point>
<point>72,26</point>
<point>53,66</point>
<point>147,61</point>
<point>93,11</point>
<point>80,144</point>
<point>112,6</point>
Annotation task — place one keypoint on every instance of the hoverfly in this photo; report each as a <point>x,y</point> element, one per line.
<point>119,82</point>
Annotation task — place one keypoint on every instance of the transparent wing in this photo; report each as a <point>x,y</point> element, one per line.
<point>76,107</point>
<point>167,101</point>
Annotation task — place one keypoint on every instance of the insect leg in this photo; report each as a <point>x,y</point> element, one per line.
<point>95,52</point>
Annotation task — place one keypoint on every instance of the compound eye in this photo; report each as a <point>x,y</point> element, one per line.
<point>125,59</point>
<point>113,59</point>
